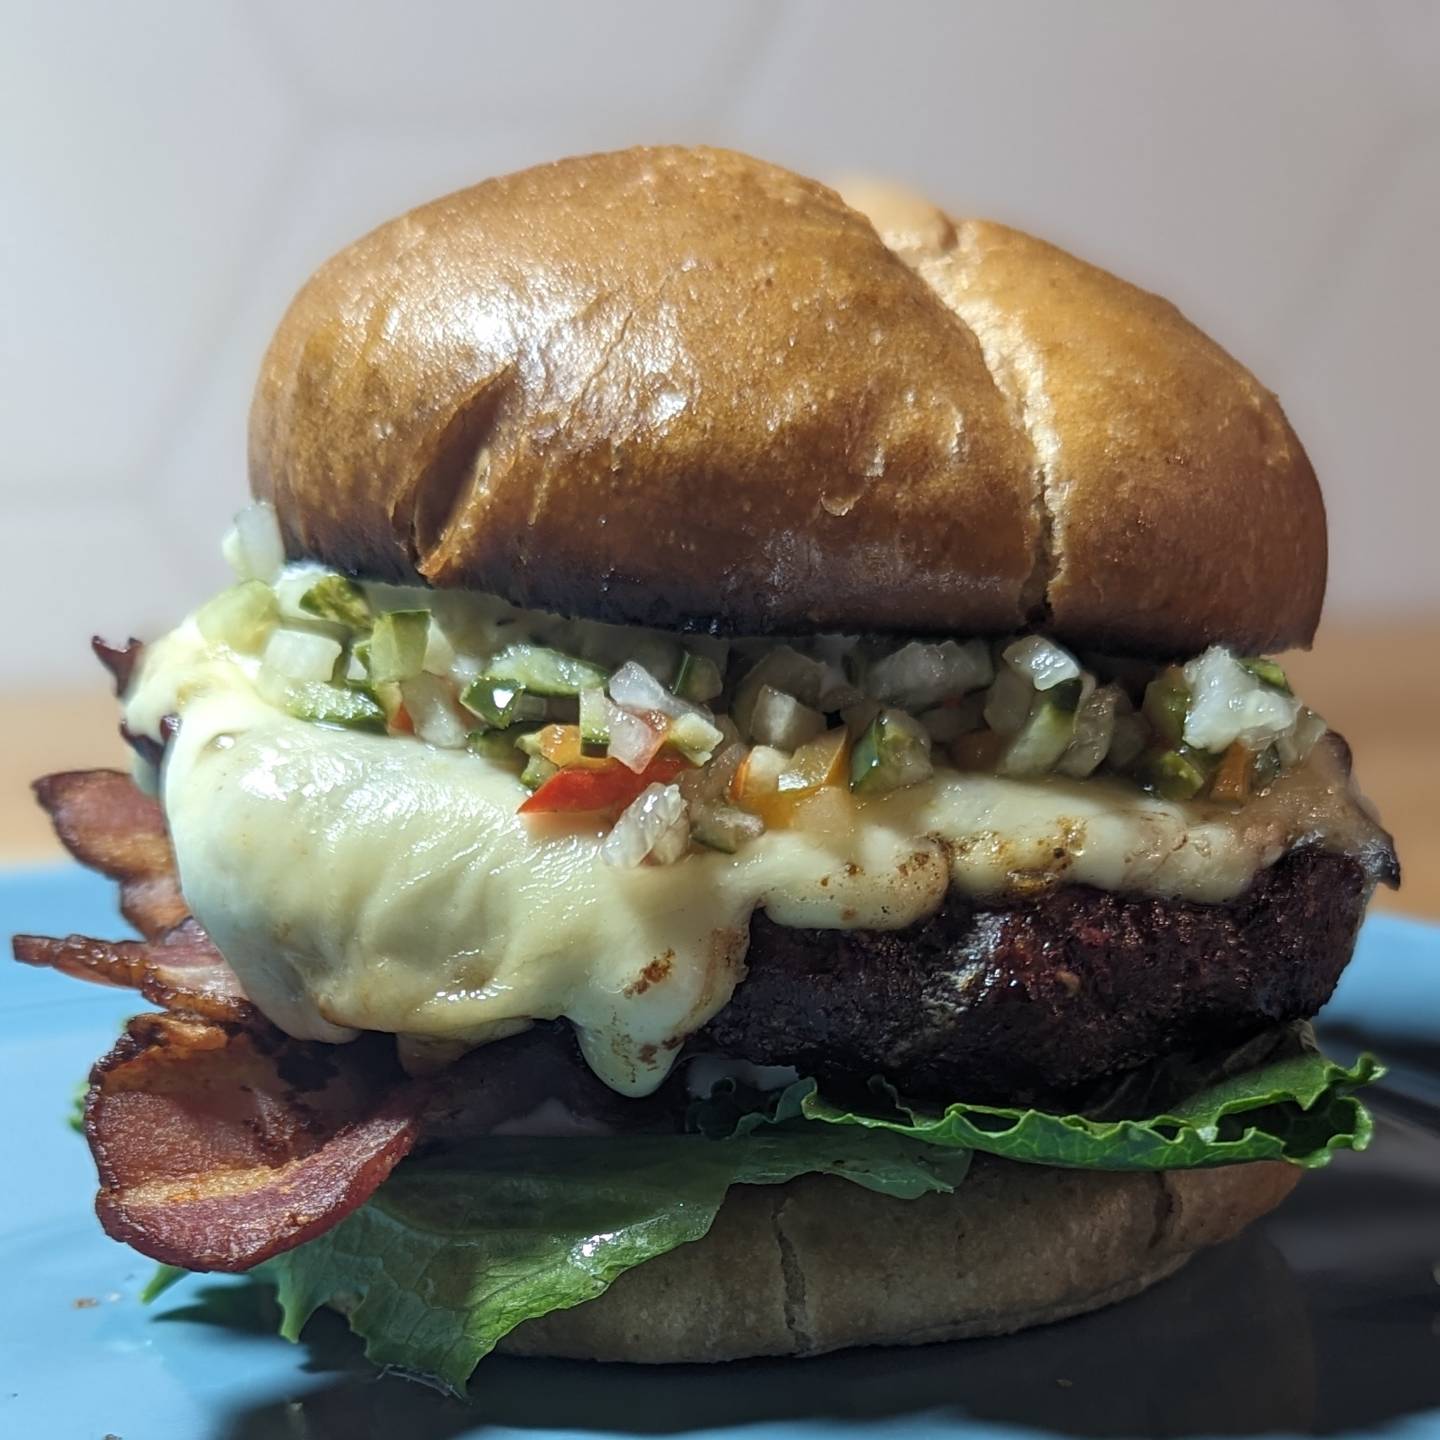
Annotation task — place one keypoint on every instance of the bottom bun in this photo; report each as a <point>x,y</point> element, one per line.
<point>821,1264</point>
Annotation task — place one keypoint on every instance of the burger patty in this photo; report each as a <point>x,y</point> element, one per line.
<point>1033,1001</point>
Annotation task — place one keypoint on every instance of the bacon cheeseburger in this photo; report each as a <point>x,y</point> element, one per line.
<point>737,805</point>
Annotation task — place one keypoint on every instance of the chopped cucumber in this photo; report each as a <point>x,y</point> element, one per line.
<point>694,737</point>
<point>893,753</point>
<point>536,772</point>
<point>699,679</point>
<point>543,671</point>
<point>501,703</point>
<point>339,599</point>
<point>1166,704</point>
<point>397,644</point>
<point>341,705</point>
<point>241,617</point>
<point>1267,671</point>
<point>594,721</point>
<point>1046,734</point>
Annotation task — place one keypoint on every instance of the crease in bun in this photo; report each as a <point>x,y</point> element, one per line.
<point>820,1264</point>
<point>687,389</point>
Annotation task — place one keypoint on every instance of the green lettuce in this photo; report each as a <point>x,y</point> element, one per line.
<point>459,1247</point>
<point>456,1250</point>
<point>1297,1105</point>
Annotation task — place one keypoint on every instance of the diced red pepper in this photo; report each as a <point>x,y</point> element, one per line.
<point>606,786</point>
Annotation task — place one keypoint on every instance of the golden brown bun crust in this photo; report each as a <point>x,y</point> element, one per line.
<point>820,1264</point>
<point>682,387</point>
<point>656,386</point>
<point>1182,506</point>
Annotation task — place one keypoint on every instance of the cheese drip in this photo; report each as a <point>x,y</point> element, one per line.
<point>367,882</point>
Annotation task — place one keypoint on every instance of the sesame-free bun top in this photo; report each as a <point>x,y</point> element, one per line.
<point>684,388</point>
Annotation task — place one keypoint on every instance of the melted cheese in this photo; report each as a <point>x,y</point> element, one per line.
<point>364,882</point>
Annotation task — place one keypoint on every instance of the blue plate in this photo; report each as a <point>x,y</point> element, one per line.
<point>1324,1319</point>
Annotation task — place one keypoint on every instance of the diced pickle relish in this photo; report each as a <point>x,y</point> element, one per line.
<point>784,719</point>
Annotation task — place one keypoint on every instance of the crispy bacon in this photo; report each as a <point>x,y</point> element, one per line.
<point>119,660</point>
<point>182,970</point>
<point>107,824</point>
<point>219,1146</point>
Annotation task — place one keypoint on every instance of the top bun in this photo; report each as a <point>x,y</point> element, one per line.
<point>687,389</point>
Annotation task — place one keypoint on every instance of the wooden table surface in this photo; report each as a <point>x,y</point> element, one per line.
<point>1377,685</point>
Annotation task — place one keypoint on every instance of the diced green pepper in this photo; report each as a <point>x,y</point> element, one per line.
<point>1174,774</point>
<point>397,645</point>
<point>501,703</point>
<point>893,752</point>
<point>543,671</point>
<point>1166,703</point>
<point>339,599</point>
<point>1266,670</point>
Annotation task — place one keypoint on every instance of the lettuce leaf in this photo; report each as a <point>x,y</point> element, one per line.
<point>456,1250</point>
<point>459,1247</point>
<point>1296,1105</point>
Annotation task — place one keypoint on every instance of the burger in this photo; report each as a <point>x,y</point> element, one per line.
<point>739,802</point>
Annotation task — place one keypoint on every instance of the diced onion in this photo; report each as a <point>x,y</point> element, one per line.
<point>301,655</point>
<point>654,811</point>
<point>634,687</point>
<point>781,720</point>
<point>949,722</point>
<point>439,652</point>
<point>432,712</point>
<point>1228,703</point>
<point>242,617</point>
<point>920,674</point>
<point>1127,740</point>
<point>634,741</point>
<point>1040,661</point>
<point>1094,729</point>
<point>1301,739</point>
<point>253,547</point>
<point>723,827</point>
<point>1007,702</point>
<point>673,844</point>
<point>712,781</point>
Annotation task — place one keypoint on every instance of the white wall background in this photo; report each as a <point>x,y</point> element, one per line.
<point>171,172</point>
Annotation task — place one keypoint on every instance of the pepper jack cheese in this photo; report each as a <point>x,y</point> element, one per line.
<point>369,882</point>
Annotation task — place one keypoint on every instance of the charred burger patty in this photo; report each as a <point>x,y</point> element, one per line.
<point>1037,1000</point>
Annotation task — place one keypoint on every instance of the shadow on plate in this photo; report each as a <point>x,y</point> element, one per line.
<point>1322,1321</point>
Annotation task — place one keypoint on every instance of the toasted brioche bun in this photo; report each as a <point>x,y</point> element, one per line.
<point>820,1264</point>
<point>687,389</point>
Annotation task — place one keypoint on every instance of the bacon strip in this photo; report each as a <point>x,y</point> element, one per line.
<point>107,824</point>
<point>119,660</point>
<point>219,1147</point>
<point>182,970</point>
